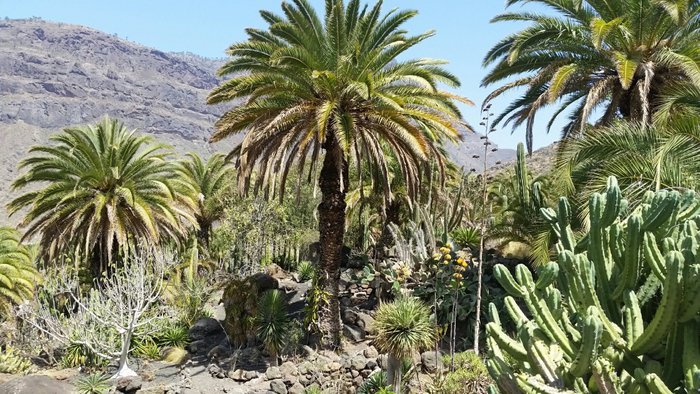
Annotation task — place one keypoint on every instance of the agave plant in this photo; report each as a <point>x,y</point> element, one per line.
<point>95,383</point>
<point>272,322</point>
<point>403,327</point>
<point>18,275</point>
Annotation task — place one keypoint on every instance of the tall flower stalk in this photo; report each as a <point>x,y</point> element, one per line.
<point>486,122</point>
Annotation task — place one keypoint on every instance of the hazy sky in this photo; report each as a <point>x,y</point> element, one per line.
<point>208,27</point>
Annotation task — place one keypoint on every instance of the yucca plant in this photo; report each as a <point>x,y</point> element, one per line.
<point>305,270</point>
<point>403,327</point>
<point>272,322</point>
<point>96,383</point>
<point>17,272</point>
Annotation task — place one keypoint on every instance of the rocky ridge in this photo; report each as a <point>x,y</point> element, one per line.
<point>53,75</point>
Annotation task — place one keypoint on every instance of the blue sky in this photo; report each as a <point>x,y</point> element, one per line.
<point>208,27</point>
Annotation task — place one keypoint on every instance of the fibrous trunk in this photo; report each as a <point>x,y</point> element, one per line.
<point>333,184</point>
<point>393,375</point>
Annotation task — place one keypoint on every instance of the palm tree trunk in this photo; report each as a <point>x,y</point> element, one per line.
<point>203,234</point>
<point>393,211</point>
<point>393,374</point>
<point>331,211</point>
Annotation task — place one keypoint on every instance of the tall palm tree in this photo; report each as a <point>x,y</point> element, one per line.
<point>97,188</point>
<point>334,84</point>
<point>18,275</point>
<point>210,182</point>
<point>611,57</point>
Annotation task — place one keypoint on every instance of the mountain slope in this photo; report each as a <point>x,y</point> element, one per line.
<point>53,75</point>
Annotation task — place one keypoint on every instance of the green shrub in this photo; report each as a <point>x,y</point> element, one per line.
<point>466,237</point>
<point>172,335</point>
<point>189,298</point>
<point>147,348</point>
<point>305,270</point>
<point>373,383</point>
<point>95,383</point>
<point>78,355</point>
<point>470,376</point>
<point>13,363</point>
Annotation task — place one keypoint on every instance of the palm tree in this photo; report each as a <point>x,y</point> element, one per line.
<point>403,327</point>
<point>663,155</point>
<point>210,182</point>
<point>17,273</point>
<point>333,84</point>
<point>612,57</point>
<point>97,188</point>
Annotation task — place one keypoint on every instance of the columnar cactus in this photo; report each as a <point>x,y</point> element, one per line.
<point>618,312</point>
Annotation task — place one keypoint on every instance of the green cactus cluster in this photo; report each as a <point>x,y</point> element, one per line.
<point>618,312</point>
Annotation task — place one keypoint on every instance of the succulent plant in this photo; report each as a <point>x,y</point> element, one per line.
<point>587,326</point>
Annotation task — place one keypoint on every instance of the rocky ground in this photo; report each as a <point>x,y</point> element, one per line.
<point>215,363</point>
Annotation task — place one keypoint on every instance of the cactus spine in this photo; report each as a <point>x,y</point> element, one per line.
<point>589,325</point>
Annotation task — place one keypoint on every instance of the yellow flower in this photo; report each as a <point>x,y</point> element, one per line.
<point>447,256</point>
<point>448,245</point>
<point>457,275</point>
<point>444,250</point>
<point>436,256</point>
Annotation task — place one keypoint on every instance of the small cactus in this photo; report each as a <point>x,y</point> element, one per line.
<point>584,330</point>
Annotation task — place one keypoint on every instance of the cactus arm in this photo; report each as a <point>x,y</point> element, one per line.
<point>630,272</point>
<point>541,312</point>
<point>653,256</point>
<point>672,370</point>
<point>690,307</point>
<point>547,275</point>
<point>691,355</point>
<point>656,385</point>
<point>667,311</point>
<point>516,314</point>
<point>514,348</point>
<point>612,203</point>
<point>539,353</point>
<point>586,354</point>
<point>634,324</point>
<point>506,280</point>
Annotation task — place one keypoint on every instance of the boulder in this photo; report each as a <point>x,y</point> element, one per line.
<point>431,361</point>
<point>278,386</point>
<point>354,333</point>
<point>35,384</point>
<point>297,388</point>
<point>358,363</point>
<point>365,322</point>
<point>370,352</point>
<point>205,327</point>
<point>273,373</point>
<point>129,384</point>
